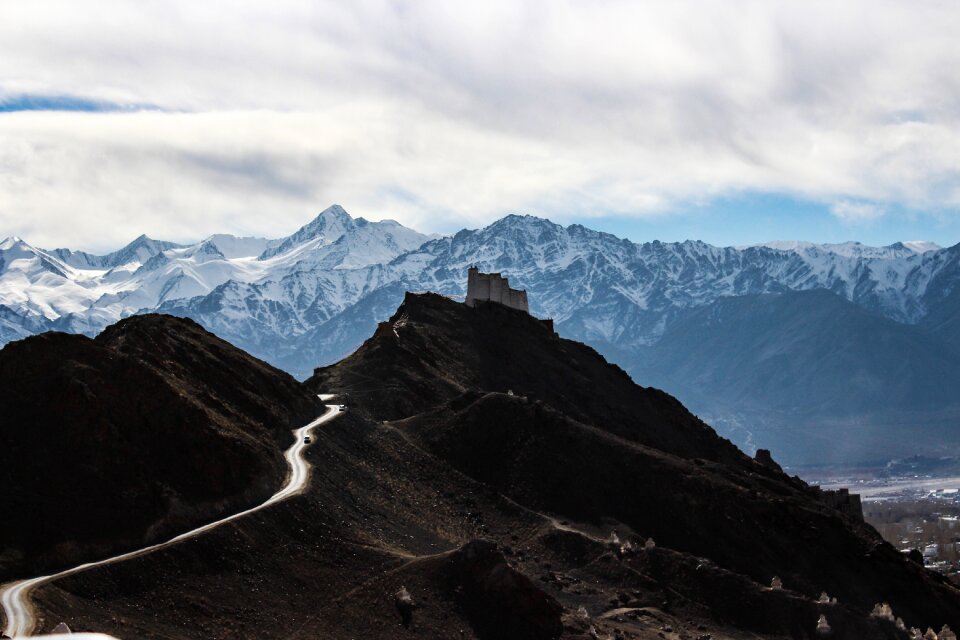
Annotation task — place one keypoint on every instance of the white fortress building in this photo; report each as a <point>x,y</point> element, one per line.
<point>493,287</point>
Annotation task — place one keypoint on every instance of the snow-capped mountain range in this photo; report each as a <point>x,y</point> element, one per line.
<point>77,291</point>
<point>312,297</point>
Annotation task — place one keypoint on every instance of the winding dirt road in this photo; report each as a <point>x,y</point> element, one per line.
<point>15,596</point>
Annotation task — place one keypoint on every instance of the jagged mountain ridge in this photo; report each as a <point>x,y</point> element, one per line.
<point>83,293</point>
<point>312,297</point>
<point>604,277</point>
<point>139,251</point>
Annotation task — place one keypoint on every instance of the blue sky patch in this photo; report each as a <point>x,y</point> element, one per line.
<point>753,218</point>
<point>11,104</point>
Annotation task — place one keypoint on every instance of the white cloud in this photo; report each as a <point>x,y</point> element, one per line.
<point>856,211</point>
<point>443,114</point>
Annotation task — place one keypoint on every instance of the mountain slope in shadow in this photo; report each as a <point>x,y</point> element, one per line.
<point>549,424</point>
<point>151,428</point>
<point>816,363</point>
<point>480,470</point>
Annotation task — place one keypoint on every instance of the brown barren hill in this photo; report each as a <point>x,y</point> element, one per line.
<point>492,481</point>
<point>434,349</point>
<point>548,423</point>
<point>153,427</point>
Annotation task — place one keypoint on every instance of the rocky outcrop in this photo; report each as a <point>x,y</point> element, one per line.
<point>500,601</point>
<point>763,456</point>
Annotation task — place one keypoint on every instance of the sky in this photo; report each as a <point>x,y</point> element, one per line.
<point>733,122</point>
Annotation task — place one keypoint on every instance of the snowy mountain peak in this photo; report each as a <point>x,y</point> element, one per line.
<point>205,250</point>
<point>517,227</point>
<point>335,211</point>
<point>920,246</point>
<point>522,221</point>
<point>137,252</point>
<point>10,242</point>
<point>16,248</point>
<point>143,241</point>
<point>327,227</point>
<point>335,240</point>
<point>13,248</point>
<point>26,259</point>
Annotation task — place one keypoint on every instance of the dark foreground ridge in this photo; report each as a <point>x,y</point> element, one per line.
<point>492,481</point>
<point>148,430</point>
<point>433,350</point>
<point>548,423</point>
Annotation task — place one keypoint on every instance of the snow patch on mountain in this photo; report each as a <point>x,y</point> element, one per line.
<point>921,246</point>
<point>854,249</point>
<point>240,247</point>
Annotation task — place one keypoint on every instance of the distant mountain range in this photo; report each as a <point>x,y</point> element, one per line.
<point>820,352</point>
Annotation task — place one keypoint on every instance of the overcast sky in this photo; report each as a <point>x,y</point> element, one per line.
<point>732,122</point>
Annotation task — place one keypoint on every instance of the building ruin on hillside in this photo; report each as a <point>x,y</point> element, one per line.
<point>493,287</point>
<point>841,500</point>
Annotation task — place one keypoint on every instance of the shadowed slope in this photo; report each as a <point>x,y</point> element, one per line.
<point>433,349</point>
<point>154,426</point>
<point>571,435</point>
<point>752,521</point>
<point>494,511</point>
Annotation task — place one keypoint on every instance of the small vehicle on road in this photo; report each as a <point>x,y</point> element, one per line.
<point>342,407</point>
<point>306,439</point>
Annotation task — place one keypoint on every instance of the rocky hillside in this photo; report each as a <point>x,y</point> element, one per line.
<point>433,350</point>
<point>550,425</point>
<point>154,426</point>
<point>493,481</point>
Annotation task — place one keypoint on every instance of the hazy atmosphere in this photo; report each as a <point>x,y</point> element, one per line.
<point>731,122</point>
